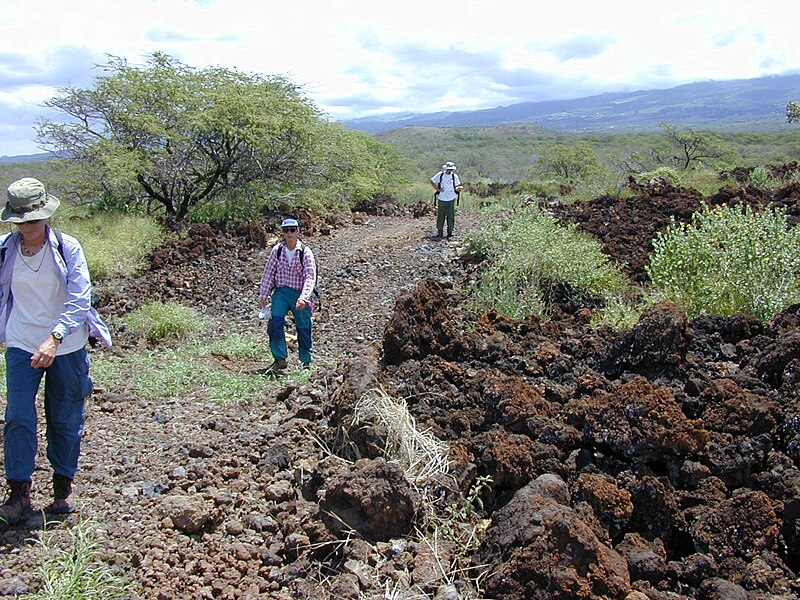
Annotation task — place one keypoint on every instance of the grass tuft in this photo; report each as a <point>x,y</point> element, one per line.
<point>160,321</point>
<point>70,566</point>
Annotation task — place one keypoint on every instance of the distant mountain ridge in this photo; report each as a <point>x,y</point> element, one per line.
<point>25,158</point>
<point>740,103</point>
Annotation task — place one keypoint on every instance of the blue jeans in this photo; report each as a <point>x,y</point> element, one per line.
<point>284,300</point>
<point>66,386</point>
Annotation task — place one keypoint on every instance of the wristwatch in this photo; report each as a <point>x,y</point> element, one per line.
<point>59,337</point>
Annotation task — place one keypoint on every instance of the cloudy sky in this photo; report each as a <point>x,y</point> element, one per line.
<point>360,58</point>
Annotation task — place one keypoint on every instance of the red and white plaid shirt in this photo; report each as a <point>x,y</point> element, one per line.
<point>280,272</point>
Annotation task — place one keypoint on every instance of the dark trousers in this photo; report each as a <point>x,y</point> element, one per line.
<point>446,212</point>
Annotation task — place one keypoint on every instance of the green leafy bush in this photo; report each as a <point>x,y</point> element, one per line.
<point>728,260</point>
<point>531,251</point>
<point>159,321</point>
<point>760,177</point>
<point>667,173</point>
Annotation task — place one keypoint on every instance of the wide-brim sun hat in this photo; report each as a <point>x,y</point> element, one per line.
<point>290,223</point>
<point>28,201</point>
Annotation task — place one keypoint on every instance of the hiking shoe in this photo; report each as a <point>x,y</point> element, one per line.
<point>63,502</point>
<point>278,365</point>
<point>18,504</point>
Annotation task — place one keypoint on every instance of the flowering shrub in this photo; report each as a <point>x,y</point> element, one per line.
<point>728,260</point>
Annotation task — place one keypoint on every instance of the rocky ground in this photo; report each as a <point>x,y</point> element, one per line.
<point>658,463</point>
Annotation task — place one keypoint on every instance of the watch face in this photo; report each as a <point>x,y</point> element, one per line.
<point>58,336</point>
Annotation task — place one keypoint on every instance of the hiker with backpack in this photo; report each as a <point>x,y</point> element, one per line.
<point>46,318</point>
<point>287,285</point>
<point>448,190</point>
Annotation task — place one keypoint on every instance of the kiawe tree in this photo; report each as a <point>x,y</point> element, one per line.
<point>695,146</point>
<point>573,164</point>
<point>177,136</point>
<point>793,112</point>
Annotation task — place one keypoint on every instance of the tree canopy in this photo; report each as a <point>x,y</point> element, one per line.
<point>175,136</point>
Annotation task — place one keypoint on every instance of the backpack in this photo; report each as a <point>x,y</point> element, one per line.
<point>458,192</point>
<point>316,296</point>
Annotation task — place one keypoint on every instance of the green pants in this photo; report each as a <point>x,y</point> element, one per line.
<point>447,210</point>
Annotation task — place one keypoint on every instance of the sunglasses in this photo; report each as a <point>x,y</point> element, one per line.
<point>288,229</point>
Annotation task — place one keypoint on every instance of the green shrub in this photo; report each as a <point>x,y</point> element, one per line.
<point>159,321</point>
<point>728,260</point>
<point>666,172</point>
<point>535,249</point>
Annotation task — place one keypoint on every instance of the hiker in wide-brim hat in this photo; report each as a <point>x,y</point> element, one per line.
<point>46,318</point>
<point>447,188</point>
<point>28,201</point>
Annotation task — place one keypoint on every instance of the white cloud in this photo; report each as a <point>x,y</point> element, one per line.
<point>354,57</point>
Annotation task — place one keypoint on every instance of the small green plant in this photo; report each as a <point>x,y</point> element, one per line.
<point>463,511</point>
<point>618,313</point>
<point>760,177</point>
<point>160,321</point>
<point>70,566</point>
<point>728,260</point>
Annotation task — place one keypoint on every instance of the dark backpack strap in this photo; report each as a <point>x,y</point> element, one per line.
<point>3,248</point>
<point>299,251</point>
<point>60,240</point>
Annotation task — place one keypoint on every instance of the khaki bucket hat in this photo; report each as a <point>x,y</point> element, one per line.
<point>28,201</point>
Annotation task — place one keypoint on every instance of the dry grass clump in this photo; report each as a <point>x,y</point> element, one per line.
<point>418,453</point>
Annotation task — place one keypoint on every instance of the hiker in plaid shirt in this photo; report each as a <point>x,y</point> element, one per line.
<point>287,284</point>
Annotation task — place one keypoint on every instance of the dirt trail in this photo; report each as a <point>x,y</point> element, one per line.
<point>363,270</point>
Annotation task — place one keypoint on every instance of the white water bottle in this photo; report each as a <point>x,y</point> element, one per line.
<point>265,313</point>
